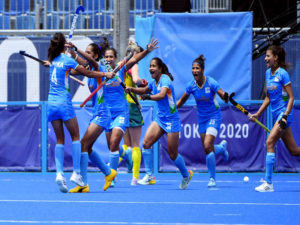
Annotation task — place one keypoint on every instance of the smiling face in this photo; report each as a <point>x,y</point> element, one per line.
<point>110,57</point>
<point>154,69</point>
<point>197,71</point>
<point>271,59</point>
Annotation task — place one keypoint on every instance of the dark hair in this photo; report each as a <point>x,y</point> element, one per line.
<point>57,46</point>
<point>163,66</point>
<point>104,45</point>
<point>280,52</point>
<point>200,61</point>
<point>111,49</point>
<point>96,50</point>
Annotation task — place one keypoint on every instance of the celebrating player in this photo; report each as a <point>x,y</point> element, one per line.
<point>167,121</point>
<point>60,108</point>
<point>204,89</point>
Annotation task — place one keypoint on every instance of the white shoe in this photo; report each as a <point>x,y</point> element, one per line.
<point>265,187</point>
<point>77,179</point>
<point>186,180</point>
<point>61,182</point>
<point>134,181</point>
<point>147,179</point>
<point>225,153</point>
<point>211,183</point>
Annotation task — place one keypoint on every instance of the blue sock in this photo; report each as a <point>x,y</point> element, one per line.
<point>114,159</point>
<point>179,162</point>
<point>97,160</point>
<point>76,152</point>
<point>270,160</point>
<point>84,161</point>
<point>59,158</point>
<point>211,164</point>
<point>121,150</point>
<point>148,160</point>
<point>219,149</point>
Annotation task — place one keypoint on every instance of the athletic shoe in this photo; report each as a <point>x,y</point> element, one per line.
<point>211,183</point>
<point>185,180</point>
<point>225,153</point>
<point>134,182</point>
<point>79,189</point>
<point>61,182</point>
<point>77,179</point>
<point>265,187</point>
<point>109,178</point>
<point>147,180</point>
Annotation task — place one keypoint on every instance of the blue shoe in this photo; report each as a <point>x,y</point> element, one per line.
<point>225,153</point>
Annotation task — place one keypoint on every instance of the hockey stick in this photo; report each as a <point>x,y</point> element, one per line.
<point>79,8</point>
<point>101,85</point>
<point>243,110</point>
<point>42,62</point>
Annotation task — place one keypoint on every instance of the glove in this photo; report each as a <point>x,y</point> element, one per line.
<point>143,83</point>
<point>282,121</point>
<point>146,97</point>
<point>226,97</point>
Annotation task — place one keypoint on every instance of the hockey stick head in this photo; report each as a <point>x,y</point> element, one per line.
<point>79,8</point>
<point>22,52</point>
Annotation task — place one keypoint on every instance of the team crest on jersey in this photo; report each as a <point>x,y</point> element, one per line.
<point>276,79</point>
<point>207,90</point>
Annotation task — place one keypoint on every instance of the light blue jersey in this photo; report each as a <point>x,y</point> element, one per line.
<point>167,115</point>
<point>59,98</point>
<point>115,98</point>
<point>278,96</point>
<point>101,114</point>
<point>205,97</point>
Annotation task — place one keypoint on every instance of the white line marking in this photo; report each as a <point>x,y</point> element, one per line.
<point>227,214</point>
<point>97,222</point>
<point>154,203</point>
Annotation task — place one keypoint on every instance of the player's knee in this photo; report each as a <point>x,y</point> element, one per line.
<point>173,155</point>
<point>270,143</point>
<point>295,152</point>
<point>208,148</point>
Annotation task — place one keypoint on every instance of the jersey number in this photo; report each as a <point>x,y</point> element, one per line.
<point>53,76</point>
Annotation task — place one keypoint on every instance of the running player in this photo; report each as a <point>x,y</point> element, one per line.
<point>116,101</point>
<point>60,108</point>
<point>280,96</point>
<point>167,121</point>
<point>204,89</point>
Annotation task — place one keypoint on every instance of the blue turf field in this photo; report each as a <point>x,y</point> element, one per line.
<point>33,198</point>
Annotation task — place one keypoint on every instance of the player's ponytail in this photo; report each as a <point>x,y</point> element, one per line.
<point>57,46</point>
<point>200,61</point>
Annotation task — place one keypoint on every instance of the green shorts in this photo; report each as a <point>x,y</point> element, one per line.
<point>135,116</point>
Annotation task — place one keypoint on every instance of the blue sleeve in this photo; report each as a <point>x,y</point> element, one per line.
<point>166,82</point>
<point>214,84</point>
<point>71,63</point>
<point>285,78</point>
<point>188,89</point>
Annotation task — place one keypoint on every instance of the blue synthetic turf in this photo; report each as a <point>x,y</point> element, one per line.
<point>33,198</point>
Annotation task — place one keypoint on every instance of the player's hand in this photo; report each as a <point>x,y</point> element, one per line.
<point>46,63</point>
<point>71,46</point>
<point>145,97</point>
<point>109,75</point>
<point>152,45</point>
<point>282,122</point>
<point>226,97</point>
<point>253,117</point>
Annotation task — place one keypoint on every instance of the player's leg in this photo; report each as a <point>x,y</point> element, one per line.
<point>153,133</point>
<point>273,137</point>
<point>290,143</point>
<point>173,142</point>
<point>135,135</point>
<point>59,154</point>
<point>73,128</point>
<point>208,145</point>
